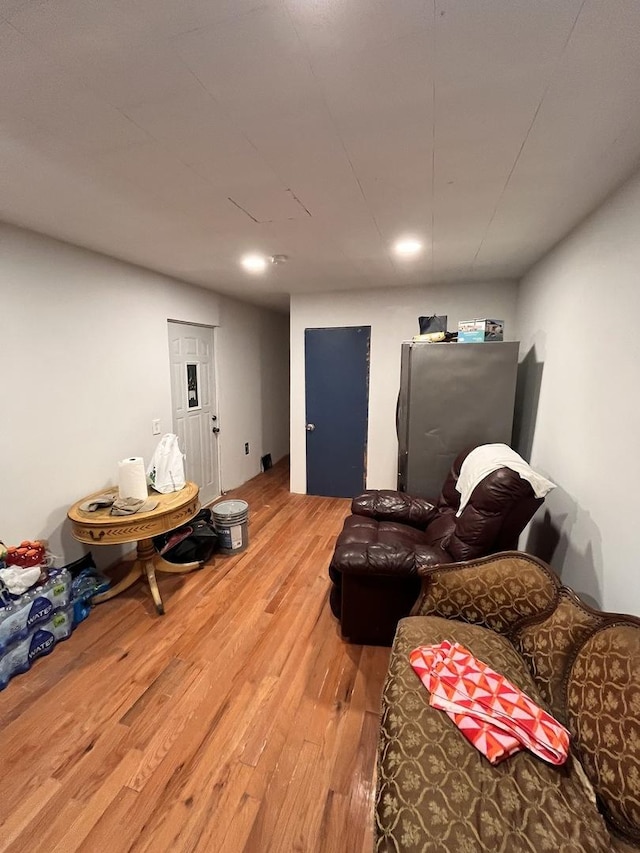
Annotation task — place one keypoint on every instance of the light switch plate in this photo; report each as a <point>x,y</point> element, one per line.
<point>155,426</point>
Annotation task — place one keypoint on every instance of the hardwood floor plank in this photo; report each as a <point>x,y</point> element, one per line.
<point>172,729</point>
<point>112,831</point>
<point>15,822</point>
<point>293,830</point>
<point>185,802</point>
<point>164,684</point>
<point>236,836</point>
<point>239,722</point>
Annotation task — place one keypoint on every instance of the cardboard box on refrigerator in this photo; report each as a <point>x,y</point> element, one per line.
<point>479,331</point>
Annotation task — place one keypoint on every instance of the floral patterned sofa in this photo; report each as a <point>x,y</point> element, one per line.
<point>436,793</point>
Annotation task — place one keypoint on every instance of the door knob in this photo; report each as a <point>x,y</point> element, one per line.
<point>310,427</point>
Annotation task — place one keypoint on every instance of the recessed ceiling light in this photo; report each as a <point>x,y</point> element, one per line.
<point>254,263</point>
<point>407,247</point>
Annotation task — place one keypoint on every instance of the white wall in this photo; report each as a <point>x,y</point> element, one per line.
<point>252,350</point>
<point>84,368</point>
<point>577,316</point>
<point>393,317</point>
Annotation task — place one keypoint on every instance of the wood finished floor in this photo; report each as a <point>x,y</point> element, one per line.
<point>238,722</point>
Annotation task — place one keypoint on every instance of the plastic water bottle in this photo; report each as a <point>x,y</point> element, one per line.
<point>5,615</point>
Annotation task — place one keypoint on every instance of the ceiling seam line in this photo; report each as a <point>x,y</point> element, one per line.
<point>528,133</point>
<point>122,110</point>
<point>233,123</point>
<point>340,139</point>
<point>79,81</point>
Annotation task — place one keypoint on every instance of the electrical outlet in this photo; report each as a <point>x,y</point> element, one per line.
<point>246,448</point>
<point>155,426</point>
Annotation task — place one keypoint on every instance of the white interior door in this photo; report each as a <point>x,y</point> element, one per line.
<point>193,398</point>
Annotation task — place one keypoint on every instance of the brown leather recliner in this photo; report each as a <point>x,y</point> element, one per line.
<point>391,537</point>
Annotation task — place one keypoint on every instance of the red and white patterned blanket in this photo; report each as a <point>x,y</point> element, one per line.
<point>494,715</point>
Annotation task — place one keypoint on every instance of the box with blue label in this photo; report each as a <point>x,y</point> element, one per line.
<point>479,331</point>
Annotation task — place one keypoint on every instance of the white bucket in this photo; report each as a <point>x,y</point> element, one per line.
<point>231,521</point>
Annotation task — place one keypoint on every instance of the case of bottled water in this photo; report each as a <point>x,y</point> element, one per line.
<point>41,640</point>
<point>35,606</point>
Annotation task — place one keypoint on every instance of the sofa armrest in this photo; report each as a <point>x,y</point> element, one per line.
<point>385,505</point>
<point>499,592</point>
<point>391,560</point>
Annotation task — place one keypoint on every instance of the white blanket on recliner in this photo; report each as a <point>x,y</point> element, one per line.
<point>489,457</point>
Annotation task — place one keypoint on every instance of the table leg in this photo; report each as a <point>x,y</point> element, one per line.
<point>146,564</point>
<point>162,565</point>
<point>153,586</point>
<point>147,555</point>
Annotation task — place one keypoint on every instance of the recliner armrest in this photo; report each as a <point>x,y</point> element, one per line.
<point>386,505</point>
<point>390,560</point>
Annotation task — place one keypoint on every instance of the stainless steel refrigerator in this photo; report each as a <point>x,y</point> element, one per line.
<point>451,396</point>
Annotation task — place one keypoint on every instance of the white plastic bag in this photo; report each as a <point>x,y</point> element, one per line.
<point>166,469</point>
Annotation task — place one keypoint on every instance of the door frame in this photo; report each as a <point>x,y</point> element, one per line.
<point>215,374</point>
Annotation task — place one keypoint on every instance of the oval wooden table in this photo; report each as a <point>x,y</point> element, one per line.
<point>102,528</point>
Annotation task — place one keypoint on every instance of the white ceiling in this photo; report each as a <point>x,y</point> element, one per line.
<point>179,134</point>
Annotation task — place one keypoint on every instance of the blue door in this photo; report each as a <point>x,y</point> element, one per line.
<point>337,403</point>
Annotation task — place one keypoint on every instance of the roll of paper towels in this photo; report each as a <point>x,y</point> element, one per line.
<point>132,478</point>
